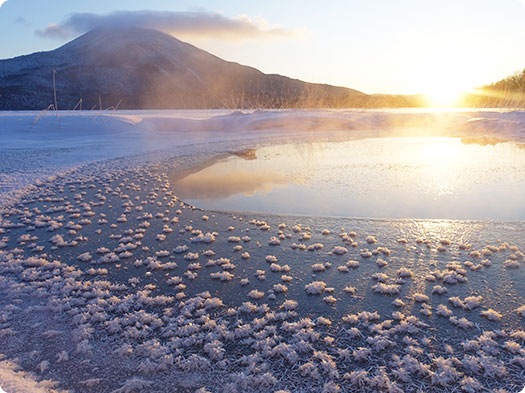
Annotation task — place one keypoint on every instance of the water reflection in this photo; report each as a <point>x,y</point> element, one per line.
<point>213,184</point>
<point>423,177</point>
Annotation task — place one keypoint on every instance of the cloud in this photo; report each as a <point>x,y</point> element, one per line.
<point>2,2</point>
<point>188,24</point>
<point>22,21</point>
<point>55,31</point>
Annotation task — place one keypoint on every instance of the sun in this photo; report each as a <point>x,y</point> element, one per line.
<point>444,96</point>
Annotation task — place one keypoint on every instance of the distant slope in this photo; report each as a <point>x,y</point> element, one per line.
<point>147,69</point>
<point>506,93</point>
<point>514,82</point>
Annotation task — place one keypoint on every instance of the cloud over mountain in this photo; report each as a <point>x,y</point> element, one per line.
<point>179,23</point>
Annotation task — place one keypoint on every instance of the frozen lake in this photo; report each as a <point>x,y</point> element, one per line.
<point>110,282</point>
<point>389,177</point>
<point>38,145</point>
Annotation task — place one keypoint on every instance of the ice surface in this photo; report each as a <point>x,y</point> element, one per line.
<point>137,313</point>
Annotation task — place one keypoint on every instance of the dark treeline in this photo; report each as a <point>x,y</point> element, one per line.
<point>506,93</point>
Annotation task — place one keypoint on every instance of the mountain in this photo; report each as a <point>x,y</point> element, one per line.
<point>146,69</point>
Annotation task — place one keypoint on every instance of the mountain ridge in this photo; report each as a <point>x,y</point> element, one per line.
<point>145,69</point>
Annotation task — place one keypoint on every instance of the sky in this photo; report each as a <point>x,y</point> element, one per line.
<point>375,46</point>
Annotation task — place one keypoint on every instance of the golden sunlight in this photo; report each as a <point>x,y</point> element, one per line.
<point>444,95</point>
<point>444,84</point>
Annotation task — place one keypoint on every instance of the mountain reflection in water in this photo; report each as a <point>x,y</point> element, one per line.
<point>210,184</point>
